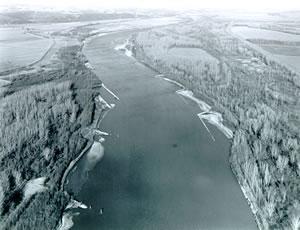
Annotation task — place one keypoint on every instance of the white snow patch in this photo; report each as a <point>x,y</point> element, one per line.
<point>128,53</point>
<point>34,186</point>
<point>190,95</point>
<point>4,82</point>
<point>101,140</point>
<point>123,47</point>
<point>216,119</point>
<point>101,132</point>
<point>95,154</point>
<point>76,204</point>
<point>161,76</point>
<point>97,33</point>
<point>93,35</point>
<point>46,153</point>
<point>103,103</point>
<point>212,117</point>
<point>88,65</point>
<point>67,218</point>
<point>67,221</point>
<point>109,91</point>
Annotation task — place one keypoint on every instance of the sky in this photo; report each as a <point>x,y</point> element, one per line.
<point>251,5</point>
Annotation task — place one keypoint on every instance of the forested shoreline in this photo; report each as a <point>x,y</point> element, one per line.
<point>42,116</point>
<point>265,148</point>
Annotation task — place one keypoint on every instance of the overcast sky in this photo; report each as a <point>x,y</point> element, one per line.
<point>171,4</point>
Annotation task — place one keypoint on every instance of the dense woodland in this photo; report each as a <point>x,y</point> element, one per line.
<point>42,114</point>
<point>260,102</point>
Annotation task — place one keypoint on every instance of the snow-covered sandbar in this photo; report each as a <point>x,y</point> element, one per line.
<point>212,117</point>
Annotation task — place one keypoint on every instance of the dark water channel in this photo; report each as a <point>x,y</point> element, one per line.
<point>161,170</point>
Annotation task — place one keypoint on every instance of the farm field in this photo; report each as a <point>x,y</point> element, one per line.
<point>257,33</point>
<point>18,48</point>
<point>290,60</point>
<point>283,46</point>
<point>284,50</point>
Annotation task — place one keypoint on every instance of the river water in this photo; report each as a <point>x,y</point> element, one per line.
<point>161,169</point>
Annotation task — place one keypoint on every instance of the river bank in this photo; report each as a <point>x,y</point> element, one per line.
<point>153,157</point>
<point>260,221</point>
<point>62,102</point>
<point>94,150</point>
<point>215,118</point>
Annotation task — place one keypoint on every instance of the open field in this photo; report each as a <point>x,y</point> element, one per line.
<point>18,48</point>
<point>291,60</point>
<point>283,46</point>
<point>251,33</point>
<point>283,50</point>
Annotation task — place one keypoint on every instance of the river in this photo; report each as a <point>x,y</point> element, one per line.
<point>161,169</point>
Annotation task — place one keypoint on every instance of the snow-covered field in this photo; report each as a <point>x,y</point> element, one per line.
<point>3,82</point>
<point>34,186</point>
<point>256,33</point>
<point>293,61</point>
<point>18,48</point>
<point>283,54</point>
<point>125,48</point>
